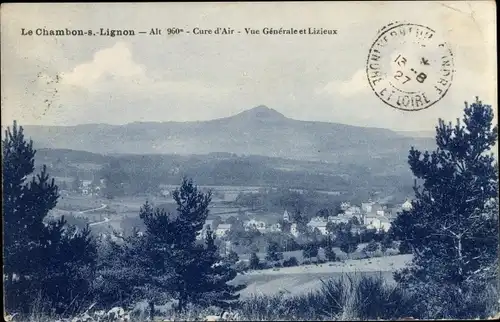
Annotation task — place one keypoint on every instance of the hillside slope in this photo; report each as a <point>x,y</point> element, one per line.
<point>258,131</point>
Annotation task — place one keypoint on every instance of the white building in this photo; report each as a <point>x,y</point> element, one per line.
<point>376,207</point>
<point>367,206</point>
<point>275,227</point>
<point>345,205</point>
<point>254,224</point>
<point>377,222</point>
<point>338,219</point>
<point>286,216</point>
<point>352,211</point>
<point>318,223</point>
<point>317,219</point>
<point>385,224</point>
<point>222,230</point>
<point>294,231</point>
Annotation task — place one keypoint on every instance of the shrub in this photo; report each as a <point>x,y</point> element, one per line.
<point>391,252</point>
<point>372,246</point>
<point>377,253</point>
<point>347,298</point>
<point>330,254</point>
<point>280,308</point>
<point>292,261</point>
<point>232,257</point>
<point>265,265</point>
<point>363,297</point>
<point>241,266</point>
<point>447,301</point>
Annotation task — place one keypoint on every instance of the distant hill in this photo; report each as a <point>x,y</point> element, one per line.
<point>418,134</point>
<point>258,131</point>
<point>145,173</point>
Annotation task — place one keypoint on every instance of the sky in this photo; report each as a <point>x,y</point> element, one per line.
<point>186,77</point>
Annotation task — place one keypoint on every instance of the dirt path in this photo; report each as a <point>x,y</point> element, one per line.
<point>103,206</point>
<point>100,222</point>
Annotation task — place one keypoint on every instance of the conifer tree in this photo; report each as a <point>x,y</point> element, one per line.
<point>124,271</point>
<point>348,242</point>
<point>330,254</point>
<point>273,252</point>
<point>452,227</point>
<point>49,258</point>
<point>188,271</point>
<point>254,261</point>
<point>215,274</point>
<point>310,250</point>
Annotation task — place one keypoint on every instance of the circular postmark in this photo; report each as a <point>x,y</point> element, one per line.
<point>409,67</point>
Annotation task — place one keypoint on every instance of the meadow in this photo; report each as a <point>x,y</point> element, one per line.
<point>306,278</point>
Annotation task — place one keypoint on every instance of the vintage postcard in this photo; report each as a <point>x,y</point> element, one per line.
<point>245,161</point>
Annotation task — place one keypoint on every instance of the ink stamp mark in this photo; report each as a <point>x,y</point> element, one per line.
<point>409,67</point>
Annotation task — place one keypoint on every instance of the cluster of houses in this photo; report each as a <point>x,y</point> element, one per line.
<point>88,188</point>
<point>371,215</point>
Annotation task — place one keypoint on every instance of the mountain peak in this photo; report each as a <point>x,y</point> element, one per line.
<point>262,112</point>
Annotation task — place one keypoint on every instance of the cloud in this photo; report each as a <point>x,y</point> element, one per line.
<point>355,85</point>
<point>115,70</point>
<point>110,63</point>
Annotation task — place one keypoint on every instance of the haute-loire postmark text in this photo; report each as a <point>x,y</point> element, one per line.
<point>409,67</point>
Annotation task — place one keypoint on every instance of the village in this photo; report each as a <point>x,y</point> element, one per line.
<point>226,216</point>
<point>370,216</point>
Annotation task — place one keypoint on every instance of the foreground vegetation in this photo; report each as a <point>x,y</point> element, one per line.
<point>352,297</point>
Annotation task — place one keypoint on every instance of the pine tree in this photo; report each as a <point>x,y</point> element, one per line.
<point>348,242</point>
<point>330,254</point>
<point>190,272</point>
<point>386,242</point>
<point>163,245</point>
<point>124,272</point>
<point>68,267</point>
<point>452,228</point>
<point>215,274</point>
<point>310,250</point>
<point>49,258</point>
<point>273,252</point>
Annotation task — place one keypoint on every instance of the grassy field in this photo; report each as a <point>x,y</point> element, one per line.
<point>303,279</point>
<point>130,206</point>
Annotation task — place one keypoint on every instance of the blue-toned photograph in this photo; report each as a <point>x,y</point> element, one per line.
<point>266,161</point>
